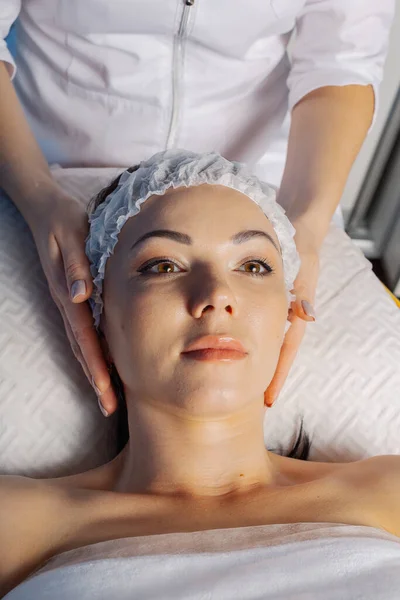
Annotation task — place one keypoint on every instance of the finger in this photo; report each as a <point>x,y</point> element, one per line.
<point>304,309</point>
<point>108,399</point>
<point>287,355</point>
<point>74,346</point>
<point>77,269</point>
<point>81,321</point>
<point>305,289</point>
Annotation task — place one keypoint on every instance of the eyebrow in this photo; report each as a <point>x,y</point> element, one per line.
<point>183,238</point>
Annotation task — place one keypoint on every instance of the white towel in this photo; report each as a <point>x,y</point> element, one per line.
<point>312,561</point>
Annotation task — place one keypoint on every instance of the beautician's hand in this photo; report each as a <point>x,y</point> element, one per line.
<point>59,226</point>
<point>304,287</point>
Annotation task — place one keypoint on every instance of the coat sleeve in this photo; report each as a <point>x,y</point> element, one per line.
<point>339,42</point>
<point>9,11</point>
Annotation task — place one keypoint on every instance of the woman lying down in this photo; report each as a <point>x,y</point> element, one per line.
<point>193,262</point>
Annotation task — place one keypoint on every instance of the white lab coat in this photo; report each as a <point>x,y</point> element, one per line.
<point>109,83</point>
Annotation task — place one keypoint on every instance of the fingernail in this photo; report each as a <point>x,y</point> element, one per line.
<point>103,410</point>
<point>96,389</point>
<point>78,288</point>
<point>98,392</point>
<point>269,401</point>
<point>308,309</point>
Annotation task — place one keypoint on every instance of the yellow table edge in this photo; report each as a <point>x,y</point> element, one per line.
<point>396,300</point>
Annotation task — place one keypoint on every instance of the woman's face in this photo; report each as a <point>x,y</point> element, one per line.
<point>160,294</point>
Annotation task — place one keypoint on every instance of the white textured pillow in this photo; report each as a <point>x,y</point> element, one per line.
<point>345,381</point>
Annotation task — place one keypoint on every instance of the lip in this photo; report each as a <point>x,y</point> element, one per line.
<point>215,342</point>
<point>214,355</point>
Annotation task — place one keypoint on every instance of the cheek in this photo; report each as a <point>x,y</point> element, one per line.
<point>267,319</point>
<point>146,320</point>
<point>143,326</point>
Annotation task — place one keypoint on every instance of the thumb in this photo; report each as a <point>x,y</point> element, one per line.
<point>78,277</point>
<point>303,307</point>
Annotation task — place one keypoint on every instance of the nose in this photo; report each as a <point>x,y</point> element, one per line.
<point>212,293</point>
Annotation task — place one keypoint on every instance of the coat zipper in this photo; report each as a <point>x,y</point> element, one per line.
<point>177,68</point>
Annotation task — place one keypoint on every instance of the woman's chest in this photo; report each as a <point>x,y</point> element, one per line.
<point>87,517</point>
<point>101,516</point>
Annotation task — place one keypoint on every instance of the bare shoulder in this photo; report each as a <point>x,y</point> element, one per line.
<point>368,490</point>
<point>375,481</point>
<point>303,471</point>
<point>21,496</point>
<point>28,509</point>
<point>374,472</point>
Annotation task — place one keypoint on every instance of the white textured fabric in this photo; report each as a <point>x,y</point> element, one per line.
<point>108,83</point>
<point>347,367</point>
<point>181,168</point>
<point>308,561</point>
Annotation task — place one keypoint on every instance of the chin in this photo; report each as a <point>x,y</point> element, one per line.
<point>216,401</point>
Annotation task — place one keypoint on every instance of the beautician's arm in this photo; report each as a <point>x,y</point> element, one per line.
<point>24,173</point>
<point>59,226</point>
<point>327,130</point>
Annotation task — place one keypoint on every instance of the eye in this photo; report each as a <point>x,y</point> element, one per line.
<point>259,267</point>
<point>159,266</point>
<point>166,266</point>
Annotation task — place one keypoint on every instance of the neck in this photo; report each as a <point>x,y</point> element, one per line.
<point>171,454</point>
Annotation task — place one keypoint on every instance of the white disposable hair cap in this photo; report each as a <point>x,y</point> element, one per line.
<point>178,168</point>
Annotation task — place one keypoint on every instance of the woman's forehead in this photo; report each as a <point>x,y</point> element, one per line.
<point>201,209</point>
